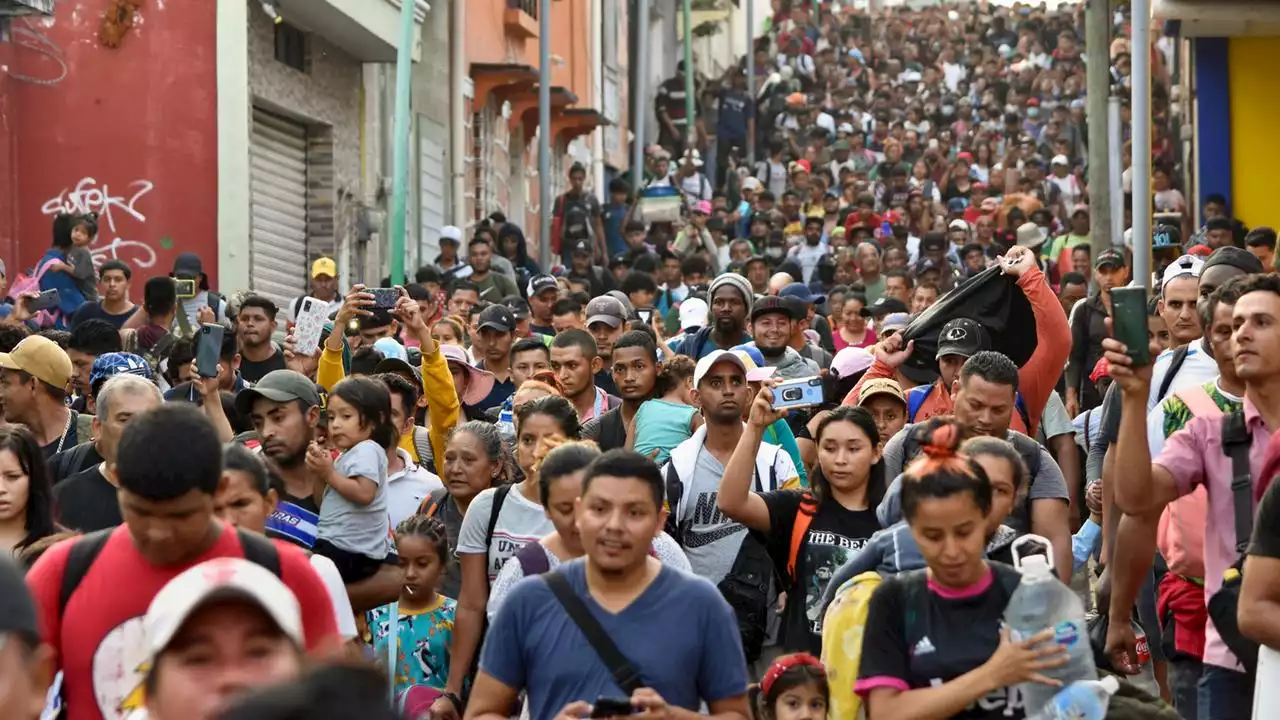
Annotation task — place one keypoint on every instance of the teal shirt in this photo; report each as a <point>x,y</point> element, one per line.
<point>422,656</point>
<point>662,425</point>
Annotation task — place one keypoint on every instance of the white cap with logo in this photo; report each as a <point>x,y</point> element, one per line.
<point>224,578</point>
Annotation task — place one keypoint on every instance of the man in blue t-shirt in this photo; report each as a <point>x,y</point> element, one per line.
<point>682,659</point>
<point>735,122</point>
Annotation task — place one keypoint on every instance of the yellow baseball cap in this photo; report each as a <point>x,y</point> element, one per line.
<point>324,266</point>
<point>40,358</point>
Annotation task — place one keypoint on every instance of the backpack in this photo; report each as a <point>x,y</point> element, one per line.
<point>842,627</point>
<point>154,356</point>
<point>257,549</point>
<point>746,586</point>
<point>918,394</point>
<point>422,445</point>
<point>575,220</point>
<point>1236,441</point>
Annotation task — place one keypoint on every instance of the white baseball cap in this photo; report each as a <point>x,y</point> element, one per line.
<point>693,313</point>
<point>958,224</point>
<point>1059,160</point>
<point>451,232</point>
<point>718,356</point>
<point>753,184</point>
<point>223,578</point>
<point>1186,265</point>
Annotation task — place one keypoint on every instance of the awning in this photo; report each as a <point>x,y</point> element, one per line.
<point>502,80</point>
<point>1217,18</point>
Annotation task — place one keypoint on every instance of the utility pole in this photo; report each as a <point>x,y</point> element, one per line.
<point>690,106</point>
<point>545,201</point>
<point>400,148</point>
<point>641,95</point>
<point>1097,27</point>
<point>1140,45</point>
<point>751,78</point>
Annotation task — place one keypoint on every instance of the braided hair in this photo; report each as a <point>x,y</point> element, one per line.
<point>428,528</point>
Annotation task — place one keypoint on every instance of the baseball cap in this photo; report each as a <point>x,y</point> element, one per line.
<point>279,386</point>
<point>850,361</point>
<point>1060,160</point>
<point>1165,236</point>
<point>324,266</point>
<point>895,321</point>
<point>1112,257</point>
<point>881,386</point>
<point>956,205</point>
<point>801,292</point>
<point>772,305</point>
<point>541,283</point>
<point>41,358</point>
<point>1187,265</point>
<point>883,306</point>
<point>717,356</point>
<point>396,365</point>
<point>961,336</point>
<point>756,371</point>
<point>518,306</point>
<point>702,207</point>
<point>496,317</point>
<point>956,224</point>
<point>452,233</point>
<point>108,365</point>
<point>225,578</point>
<point>753,184</point>
<point>582,246</point>
<point>1231,256</point>
<point>187,265</point>
<point>693,313</point>
<point>606,309</point>
<point>17,608</point>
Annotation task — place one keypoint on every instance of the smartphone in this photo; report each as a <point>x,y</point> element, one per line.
<point>47,300</point>
<point>312,314</point>
<point>804,392</point>
<point>606,707</point>
<point>185,288</point>
<point>645,314</point>
<point>384,298</point>
<point>208,348</point>
<point>1129,322</point>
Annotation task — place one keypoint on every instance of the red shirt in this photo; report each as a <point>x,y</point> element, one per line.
<point>100,646</point>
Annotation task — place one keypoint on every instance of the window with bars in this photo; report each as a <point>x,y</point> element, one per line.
<point>528,7</point>
<point>292,47</point>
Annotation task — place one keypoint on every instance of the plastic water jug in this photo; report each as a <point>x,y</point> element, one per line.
<point>1043,602</point>
<point>1083,700</point>
<point>506,425</point>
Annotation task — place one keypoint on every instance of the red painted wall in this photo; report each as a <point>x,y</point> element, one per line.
<point>129,133</point>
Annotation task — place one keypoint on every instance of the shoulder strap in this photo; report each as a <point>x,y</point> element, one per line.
<point>499,497</point>
<point>1235,445</point>
<point>915,400</point>
<point>1179,357</point>
<point>1021,406</point>
<point>85,550</point>
<point>623,672</point>
<point>260,551</point>
<point>675,492</point>
<point>800,529</point>
<point>1198,401</point>
<point>431,505</point>
<point>533,559</point>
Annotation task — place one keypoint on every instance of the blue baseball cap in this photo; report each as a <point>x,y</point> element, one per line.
<point>752,352</point>
<point>108,365</point>
<point>801,292</point>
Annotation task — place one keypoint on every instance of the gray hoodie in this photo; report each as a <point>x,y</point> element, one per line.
<point>793,365</point>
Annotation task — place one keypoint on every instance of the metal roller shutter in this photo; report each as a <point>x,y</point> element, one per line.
<point>278,172</point>
<point>432,140</point>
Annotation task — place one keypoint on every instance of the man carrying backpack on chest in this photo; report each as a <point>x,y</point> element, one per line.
<point>578,218</point>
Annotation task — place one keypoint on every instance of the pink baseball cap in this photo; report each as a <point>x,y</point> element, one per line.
<point>702,207</point>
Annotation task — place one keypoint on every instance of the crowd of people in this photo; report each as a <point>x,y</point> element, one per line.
<point>765,434</point>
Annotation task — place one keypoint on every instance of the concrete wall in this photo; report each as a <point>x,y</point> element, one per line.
<point>127,132</point>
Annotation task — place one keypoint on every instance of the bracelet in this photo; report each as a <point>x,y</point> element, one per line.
<point>453,698</point>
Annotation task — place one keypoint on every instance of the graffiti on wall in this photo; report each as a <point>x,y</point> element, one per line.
<point>115,211</point>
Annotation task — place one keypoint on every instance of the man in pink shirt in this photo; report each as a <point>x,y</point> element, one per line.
<point>1195,457</point>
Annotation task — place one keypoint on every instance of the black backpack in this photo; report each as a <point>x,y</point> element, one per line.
<point>1236,441</point>
<point>575,221</point>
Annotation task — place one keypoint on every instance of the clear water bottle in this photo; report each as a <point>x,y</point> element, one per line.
<point>1082,700</point>
<point>1042,602</point>
<point>506,425</point>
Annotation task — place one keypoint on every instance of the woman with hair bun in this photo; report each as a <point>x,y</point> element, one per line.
<point>934,646</point>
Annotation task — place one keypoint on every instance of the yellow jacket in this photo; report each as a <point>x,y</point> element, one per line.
<point>443,406</point>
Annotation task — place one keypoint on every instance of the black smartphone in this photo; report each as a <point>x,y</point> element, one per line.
<point>208,348</point>
<point>645,314</point>
<point>1129,322</point>
<point>384,298</point>
<point>47,300</point>
<point>606,707</point>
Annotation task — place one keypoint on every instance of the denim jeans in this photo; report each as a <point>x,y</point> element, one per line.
<point>1224,694</point>
<point>1184,678</point>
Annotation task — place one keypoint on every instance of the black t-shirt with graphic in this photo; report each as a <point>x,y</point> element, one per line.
<point>835,536</point>
<point>918,635</point>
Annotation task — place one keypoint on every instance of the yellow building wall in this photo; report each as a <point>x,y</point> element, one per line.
<point>1255,142</point>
